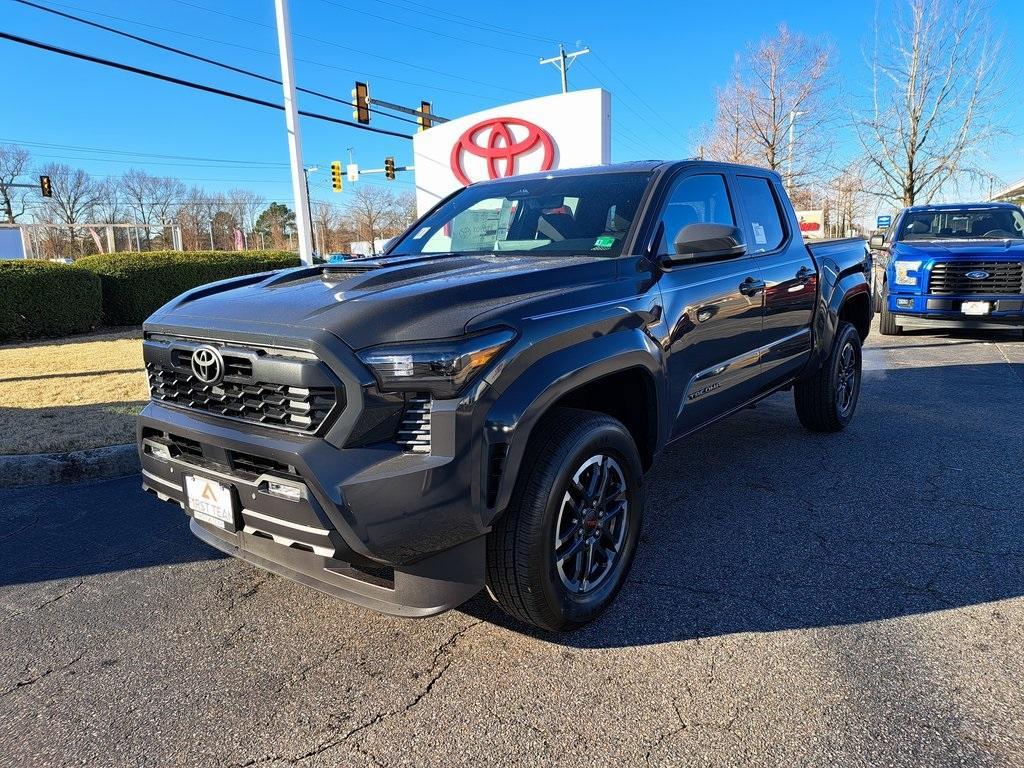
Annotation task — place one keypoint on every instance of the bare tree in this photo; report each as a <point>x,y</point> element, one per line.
<point>194,215</point>
<point>933,86</point>
<point>151,200</point>
<point>729,138</point>
<point>246,206</point>
<point>327,225</point>
<point>405,212</point>
<point>75,195</point>
<point>14,161</point>
<point>374,212</point>
<point>847,200</point>
<point>779,82</point>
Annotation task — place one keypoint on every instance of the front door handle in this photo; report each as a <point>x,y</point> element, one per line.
<point>751,286</point>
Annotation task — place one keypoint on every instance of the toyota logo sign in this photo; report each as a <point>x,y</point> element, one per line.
<point>207,364</point>
<point>494,141</point>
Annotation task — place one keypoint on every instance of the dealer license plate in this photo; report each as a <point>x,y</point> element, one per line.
<point>210,501</point>
<point>975,307</point>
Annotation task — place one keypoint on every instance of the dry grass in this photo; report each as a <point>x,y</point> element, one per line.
<point>72,393</point>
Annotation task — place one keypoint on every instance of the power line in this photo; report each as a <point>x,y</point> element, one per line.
<point>356,72</point>
<point>627,105</point>
<point>146,162</point>
<point>425,10</point>
<point>335,45</point>
<point>197,57</point>
<point>191,84</point>
<point>629,88</point>
<point>104,150</point>
<point>429,31</point>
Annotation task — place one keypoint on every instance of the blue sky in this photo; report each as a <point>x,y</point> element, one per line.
<point>671,55</point>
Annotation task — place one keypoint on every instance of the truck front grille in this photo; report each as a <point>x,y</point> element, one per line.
<point>414,431</point>
<point>950,278</point>
<point>278,405</point>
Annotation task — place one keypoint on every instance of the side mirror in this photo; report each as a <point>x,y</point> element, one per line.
<point>877,242</point>
<point>707,242</point>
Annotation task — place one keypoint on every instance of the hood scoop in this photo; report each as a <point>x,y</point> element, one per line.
<point>342,270</point>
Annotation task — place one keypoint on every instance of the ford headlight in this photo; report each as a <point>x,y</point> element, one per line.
<point>906,272</point>
<point>444,367</point>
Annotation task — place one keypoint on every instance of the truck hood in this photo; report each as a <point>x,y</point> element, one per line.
<point>966,250</point>
<point>366,302</point>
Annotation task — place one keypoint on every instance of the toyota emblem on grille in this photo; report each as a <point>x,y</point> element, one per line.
<point>207,365</point>
<point>977,274</point>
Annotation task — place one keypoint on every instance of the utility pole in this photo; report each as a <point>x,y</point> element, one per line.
<point>291,118</point>
<point>309,209</point>
<point>793,115</point>
<point>563,61</point>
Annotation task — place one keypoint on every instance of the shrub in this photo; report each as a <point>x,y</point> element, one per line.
<point>40,298</point>
<point>137,284</point>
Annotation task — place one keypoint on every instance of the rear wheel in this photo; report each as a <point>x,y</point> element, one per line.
<point>887,320</point>
<point>825,402</point>
<point>562,550</point>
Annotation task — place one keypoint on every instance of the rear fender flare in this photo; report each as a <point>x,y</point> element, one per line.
<point>834,294</point>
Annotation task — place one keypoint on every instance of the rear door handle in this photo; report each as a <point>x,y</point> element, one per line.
<point>751,286</point>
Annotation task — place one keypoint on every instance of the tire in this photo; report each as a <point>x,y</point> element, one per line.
<point>524,573</point>
<point>887,320</point>
<point>826,401</point>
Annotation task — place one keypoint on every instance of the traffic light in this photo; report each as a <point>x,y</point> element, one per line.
<point>424,117</point>
<point>361,103</point>
<point>389,168</point>
<point>44,186</point>
<point>336,175</point>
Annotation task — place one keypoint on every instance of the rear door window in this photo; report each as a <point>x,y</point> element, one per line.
<point>763,229</point>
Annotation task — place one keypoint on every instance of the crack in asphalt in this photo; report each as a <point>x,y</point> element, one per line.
<point>1012,365</point>
<point>42,675</point>
<point>440,665</point>
<point>50,601</point>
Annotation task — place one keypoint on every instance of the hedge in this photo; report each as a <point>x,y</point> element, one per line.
<point>137,284</point>
<point>40,298</point>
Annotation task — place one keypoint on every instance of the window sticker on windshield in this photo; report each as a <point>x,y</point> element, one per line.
<point>603,243</point>
<point>759,236</point>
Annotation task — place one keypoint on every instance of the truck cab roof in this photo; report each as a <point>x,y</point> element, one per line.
<point>957,206</point>
<point>638,166</point>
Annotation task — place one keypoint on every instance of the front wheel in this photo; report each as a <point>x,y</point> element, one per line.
<point>887,325</point>
<point>562,550</point>
<point>825,402</point>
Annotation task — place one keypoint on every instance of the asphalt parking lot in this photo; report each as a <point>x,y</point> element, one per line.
<point>854,599</point>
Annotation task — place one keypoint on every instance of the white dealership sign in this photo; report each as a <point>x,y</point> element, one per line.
<point>568,130</point>
<point>812,224</point>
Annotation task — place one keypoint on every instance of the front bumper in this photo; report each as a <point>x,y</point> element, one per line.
<point>925,310</point>
<point>376,526</point>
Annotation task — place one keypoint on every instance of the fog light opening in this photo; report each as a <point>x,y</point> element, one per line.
<point>283,491</point>
<point>159,450</point>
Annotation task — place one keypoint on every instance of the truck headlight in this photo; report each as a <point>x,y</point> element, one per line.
<point>906,272</point>
<point>444,367</point>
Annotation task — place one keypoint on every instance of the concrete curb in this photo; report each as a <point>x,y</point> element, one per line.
<point>49,468</point>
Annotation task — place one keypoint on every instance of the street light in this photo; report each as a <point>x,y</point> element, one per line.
<point>793,115</point>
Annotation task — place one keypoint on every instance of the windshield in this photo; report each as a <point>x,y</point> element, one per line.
<point>584,214</point>
<point>963,224</point>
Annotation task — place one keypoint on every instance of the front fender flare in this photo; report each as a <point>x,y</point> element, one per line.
<point>516,411</point>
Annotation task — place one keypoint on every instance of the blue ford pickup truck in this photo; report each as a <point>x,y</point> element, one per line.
<point>957,265</point>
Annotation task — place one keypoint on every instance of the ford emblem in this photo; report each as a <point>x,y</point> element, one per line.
<point>977,274</point>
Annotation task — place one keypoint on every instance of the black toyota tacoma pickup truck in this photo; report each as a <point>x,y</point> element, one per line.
<point>476,408</point>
